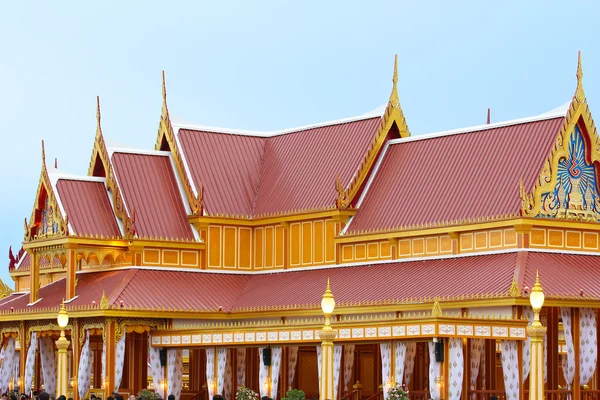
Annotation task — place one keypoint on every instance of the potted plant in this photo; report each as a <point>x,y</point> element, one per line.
<point>146,394</point>
<point>294,394</point>
<point>244,393</point>
<point>397,392</point>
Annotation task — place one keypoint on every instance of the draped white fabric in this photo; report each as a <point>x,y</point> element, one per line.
<point>476,348</point>
<point>409,362</point>
<point>385,349</point>
<point>510,369</point>
<point>348,364</point>
<point>228,385</point>
<point>156,370</point>
<point>569,361</point>
<point>103,361</point>
<point>528,314</point>
<point>337,366</point>
<point>210,372</point>
<point>48,365</point>
<point>241,367</point>
<point>482,365</point>
<point>16,371</point>
<point>175,372</point>
<point>263,375</point>
<point>456,374</point>
<point>221,364</point>
<point>588,343</point>
<point>119,362</point>
<point>85,367</point>
<point>434,373</point>
<point>545,358</point>
<point>400,360</point>
<point>292,362</point>
<point>30,363</point>
<point>319,367</point>
<point>8,359</point>
<point>276,354</point>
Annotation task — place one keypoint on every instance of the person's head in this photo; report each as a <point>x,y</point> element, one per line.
<point>44,396</point>
<point>92,397</point>
<point>218,397</point>
<point>13,397</point>
<point>62,397</point>
<point>171,397</point>
<point>493,398</point>
<point>70,398</point>
<point>110,398</point>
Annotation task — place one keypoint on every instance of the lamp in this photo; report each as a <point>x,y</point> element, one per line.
<point>536,333</point>
<point>327,335</point>
<point>62,344</point>
<point>327,305</point>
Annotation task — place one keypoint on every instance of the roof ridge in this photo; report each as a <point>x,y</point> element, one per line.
<point>114,295</point>
<point>260,177</point>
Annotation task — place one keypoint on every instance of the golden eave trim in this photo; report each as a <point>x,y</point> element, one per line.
<point>120,244</point>
<point>300,216</point>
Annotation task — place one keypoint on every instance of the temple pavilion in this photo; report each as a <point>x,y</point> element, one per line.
<point>200,265</point>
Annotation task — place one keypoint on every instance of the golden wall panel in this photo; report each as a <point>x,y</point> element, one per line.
<point>556,238</point>
<point>269,246</point>
<point>258,247</point>
<point>318,232</point>
<point>431,245</point>
<point>510,237</point>
<point>151,256</point>
<point>590,240</point>
<point>295,244</point>
<point>214,246</point>
<point>279,250</point>
<point>404,247</point>
<point>170,257</point>
<point>229,246</point>
<point>481,240</point>
<point>385,250</point>
<point>373,250</point>
<point>573,239</point>
<point>418,246</point>
<point>22,283</point>
<point>307,241</point>
<point>245,248</point>
<point>495,239</point>
<point>348,253</point>
<point>189,258</point>
<point>330,232</point>
<point>466,241</point>
<point>360,251</point>
<point>538,237</point>
<point>445,244</point>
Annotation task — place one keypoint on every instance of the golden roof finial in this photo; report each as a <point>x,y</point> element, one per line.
<point>98,113</point>
<point>394,99</point>
<point>164,87</point>
<point>43,153</point>
<point>514,290</point>
<point>104,301</point>
<point>579,69</point>
<point>436,311</point>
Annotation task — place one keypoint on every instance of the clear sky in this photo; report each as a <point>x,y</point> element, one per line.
<point>269,65</point>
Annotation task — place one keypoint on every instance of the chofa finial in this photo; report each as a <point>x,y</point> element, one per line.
<point>164,87</point>
<point>98,111</point>
<point>579,69</point>
<point>394,99</point>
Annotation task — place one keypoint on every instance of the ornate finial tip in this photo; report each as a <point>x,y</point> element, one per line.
<point>579,68</point>
<point>395,78</point>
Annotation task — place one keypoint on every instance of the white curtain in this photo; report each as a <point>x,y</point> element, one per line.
<point>482,364</point>
<point>337,366</point>
<point>221,364</point>
<point>85,367</point>
<point>348,364</point>
<point>241,367</point>
<point>588,345</point>
<point>319,367</point>
<point>510,369</point>
<point>103,360</point>
<point>476,347</point>
<point>119,360</point>
<point>276,354</point>
<point>210,372</point>
<point>48,358</point>
<point>400,360</point>
<point>457,368</point>
<point>228,376</point>
<point>434,373</point>
<point>30,363</point>
<point>568,362</point>
<point>409,364</point>
<point>292,362</point>
<point>528,314</point>
<point>8,360</point>
<point>175,372</point>
<point>263,375</point>
<point>385,349</point>
<point>156,369</point>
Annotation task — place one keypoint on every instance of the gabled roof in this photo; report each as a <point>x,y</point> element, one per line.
<point>152,194</point>
<point>457,176</point>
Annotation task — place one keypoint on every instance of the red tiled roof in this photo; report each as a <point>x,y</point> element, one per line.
<point>88,207</point>
<point>149,187</point>
<point>248,175</point>
<point>25,265</point>
<point>455,177</point>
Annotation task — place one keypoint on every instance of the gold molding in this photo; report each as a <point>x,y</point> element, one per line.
<point>85,327</point>
<point>121,326</point>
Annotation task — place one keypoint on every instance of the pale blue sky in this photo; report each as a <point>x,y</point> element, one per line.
<point>269,65</point>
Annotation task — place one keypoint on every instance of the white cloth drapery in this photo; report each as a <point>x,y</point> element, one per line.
<point>292,362</point>
<point>319,367</point>
<point>241,367</point>
<point>385,349</point>
<point>8,360</point>
<point>588,345</point>
<point>337,366</point>
<point>30,363</point>
<point>210,372</point>
<point>16,370</point>
<point>85,367</point>
<point>400,361</point>
<point>228,385</point>
<point>48,358</point>
<point>409,363</point>
<point>434,373</point>
<point>263,375</point>
<point>568,361</point>
<point>103,361</point>
<point>175,372</point>
<point>482,365</point>
<point>221,364</point>
<point>510,369</point>
<point>527,314</point>
<point>156,370</point>
<point>476,349</point>
<point>457,368</point>
<point>348,364</point>
<point>119,361</point>
<point>276,354</point>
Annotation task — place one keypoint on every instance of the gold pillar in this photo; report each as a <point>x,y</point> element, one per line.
<point>536,332</point>
<point>326,386</point>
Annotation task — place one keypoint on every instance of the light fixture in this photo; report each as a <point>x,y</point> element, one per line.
<point>327,302</point>
<point>536,298</point>
<point>63,317</point>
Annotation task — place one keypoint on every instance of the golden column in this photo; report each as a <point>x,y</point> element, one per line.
<point>62,378</point>
<point>327,335</point>
<point>536,332</point>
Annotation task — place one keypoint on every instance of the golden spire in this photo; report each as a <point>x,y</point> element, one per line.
<point>579,69</point>
<point>436,311</point>
<point>164,87</point>
<point>514,290</point>
<point>43,154</point>
<point>98,126</point>
<point>104,301</point>
<point>394,99</point>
